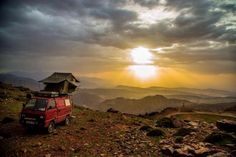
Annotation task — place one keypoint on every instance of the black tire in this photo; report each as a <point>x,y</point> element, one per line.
<point>67,121</point>
<point>51,127</point>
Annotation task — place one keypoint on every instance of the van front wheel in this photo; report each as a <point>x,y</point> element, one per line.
<point>51,127</point>
<point>67,120</point>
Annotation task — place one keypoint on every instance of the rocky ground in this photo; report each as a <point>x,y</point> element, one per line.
<point>94,133</point>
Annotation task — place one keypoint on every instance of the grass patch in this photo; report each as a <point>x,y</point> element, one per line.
<point>210,118</point>
<point>11,109</point>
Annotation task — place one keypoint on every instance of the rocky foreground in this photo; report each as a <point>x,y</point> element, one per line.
<point>94,133</point>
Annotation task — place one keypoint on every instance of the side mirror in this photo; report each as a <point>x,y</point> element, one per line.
<point>23,105</point>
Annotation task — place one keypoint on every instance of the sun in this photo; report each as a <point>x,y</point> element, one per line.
<point>143,67</point>
<point>141,55</point>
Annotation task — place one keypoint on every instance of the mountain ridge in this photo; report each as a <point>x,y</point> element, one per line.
<point>141,106</point>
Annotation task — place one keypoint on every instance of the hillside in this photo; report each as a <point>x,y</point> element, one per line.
<point>83,99</point>
<point>218,107</point>
<point>104,134</point>
<point>143,105</point>
<point>20,81</point>
<point>204,99</point>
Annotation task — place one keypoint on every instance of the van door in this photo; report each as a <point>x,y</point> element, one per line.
<point>51,112</point>
<point>61,112</point>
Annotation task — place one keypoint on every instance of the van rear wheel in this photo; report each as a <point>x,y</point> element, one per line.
<point>51,127</point>
<point>67,120</point>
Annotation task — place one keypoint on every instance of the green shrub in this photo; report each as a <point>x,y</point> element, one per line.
<point>220,138</point>
<point>165,123</point>
<point>156,133</point>
<point>184,131</point>
<point>146,128</point>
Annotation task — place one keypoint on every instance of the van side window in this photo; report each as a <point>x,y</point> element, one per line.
<point>67,102</point>
<point>52,104</point>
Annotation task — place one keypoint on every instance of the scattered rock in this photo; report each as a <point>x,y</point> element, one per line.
<point>24,150</point>
<point>86,144</point>
<point>179,139</point>
<point>220,138</point>
<point>55,133</point>
<point>232,146</point>
<point>82,128</point>
<point>77,150</point>
<point>233,153</point>
<point>39,143</point>
<point>193,124</point>
<point>219,154</point>
<point>181,153</point>
<point>62,148</point>
<point>47,155</point>
<point>203,151</point>
<point>155,133</point>
<point>146,128</point>
<point>226,125</point>
<point>91,120</point>
<point>168,150</point>
<point>183,131</point>
<point>142,145</point>
<point>7,120</point>
<point>36,144</point>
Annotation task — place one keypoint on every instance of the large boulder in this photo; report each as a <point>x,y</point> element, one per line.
<point>226,125</point>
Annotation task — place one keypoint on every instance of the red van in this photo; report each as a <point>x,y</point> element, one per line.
<point>45,110</point>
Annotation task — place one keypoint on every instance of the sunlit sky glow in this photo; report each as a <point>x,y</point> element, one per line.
<point>189,43</point>
<point>143,72</point>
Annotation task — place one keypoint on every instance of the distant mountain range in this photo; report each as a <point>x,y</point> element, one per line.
<point>20,81</point>
<point>199,96</point>
<point>141,106</point>
<point>134,99</point>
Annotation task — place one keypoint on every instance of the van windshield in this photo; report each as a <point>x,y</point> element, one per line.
<point>37,104</point>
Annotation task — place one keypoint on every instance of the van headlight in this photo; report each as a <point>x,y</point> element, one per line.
<point>41,117</point>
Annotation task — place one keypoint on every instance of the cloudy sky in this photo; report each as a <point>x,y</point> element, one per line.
<point>189,43</point>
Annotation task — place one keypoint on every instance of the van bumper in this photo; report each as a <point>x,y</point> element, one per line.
<point>32,122</point>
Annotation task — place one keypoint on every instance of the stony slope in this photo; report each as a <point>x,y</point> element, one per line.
<point>95,133</point>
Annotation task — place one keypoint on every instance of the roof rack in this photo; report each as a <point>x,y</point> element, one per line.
<point>46,94</point>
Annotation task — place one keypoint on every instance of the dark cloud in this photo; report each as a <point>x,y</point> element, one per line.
<point>89,28</point>
<point>229,7</point>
